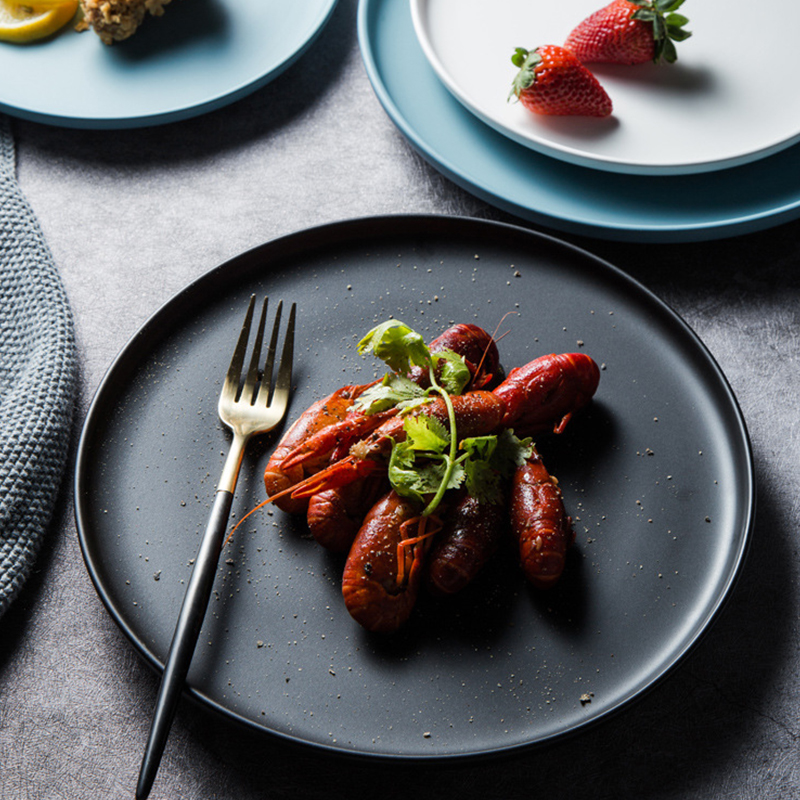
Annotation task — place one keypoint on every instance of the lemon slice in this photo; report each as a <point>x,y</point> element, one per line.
<point>27,23</point>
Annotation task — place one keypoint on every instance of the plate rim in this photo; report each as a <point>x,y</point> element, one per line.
<point>343,231</point>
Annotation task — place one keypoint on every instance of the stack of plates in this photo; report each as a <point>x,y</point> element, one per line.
<point>700,149</point>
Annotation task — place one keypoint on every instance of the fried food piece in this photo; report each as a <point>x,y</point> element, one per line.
<point>115,20</point>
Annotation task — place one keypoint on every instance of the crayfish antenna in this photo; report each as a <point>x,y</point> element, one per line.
<point>341,473</point>
<point>559,428</point>
<point>497,338</point>
<point>251,511</point>
<point>494,340</point>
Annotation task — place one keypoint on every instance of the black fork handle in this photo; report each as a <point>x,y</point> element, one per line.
<point>184,640</point>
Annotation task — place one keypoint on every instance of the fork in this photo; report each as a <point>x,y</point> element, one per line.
<point>248,410</point>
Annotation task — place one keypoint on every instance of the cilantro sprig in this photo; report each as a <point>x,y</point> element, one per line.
<point>401,348</point>
<point>397,346</point>
<point>431,460</point>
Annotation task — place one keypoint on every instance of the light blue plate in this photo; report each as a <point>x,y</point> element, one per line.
<point>544,190</point>
<point>201,55</point>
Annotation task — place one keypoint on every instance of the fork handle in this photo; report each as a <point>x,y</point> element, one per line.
<point>187,630</point>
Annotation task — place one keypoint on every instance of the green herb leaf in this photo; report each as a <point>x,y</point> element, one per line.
<point>415,479</point>
<point>483,483</point>
<point>453,374</point>
<point>456,477</point>
<point>426,434</point>
<point>511,452</point>
<point>489,460</point>
<point>428,461</point>
<point>397,345</point>
<point>393,390</point>
<point>404,475</point>
<point>503,452</point>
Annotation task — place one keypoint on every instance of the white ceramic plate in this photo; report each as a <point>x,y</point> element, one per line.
<point>201,55</point>
<point>711,110</point>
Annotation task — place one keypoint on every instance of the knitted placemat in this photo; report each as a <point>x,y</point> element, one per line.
<point>38,379</point>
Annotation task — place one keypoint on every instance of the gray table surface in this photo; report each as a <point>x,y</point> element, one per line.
<point>133,216</point>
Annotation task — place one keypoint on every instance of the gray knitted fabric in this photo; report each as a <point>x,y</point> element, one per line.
<point>38,378</point>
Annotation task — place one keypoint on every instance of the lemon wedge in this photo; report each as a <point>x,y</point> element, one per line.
<point>26,23</point>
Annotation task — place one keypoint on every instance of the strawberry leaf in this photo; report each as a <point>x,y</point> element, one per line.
<point>677,34</point>
<point>666,29</point>
<point>665,6</point>
<point>527,61</point>
<point>519,56</point>
<point>659,28</point>
<point>667,51</point>
<point>678,20</point>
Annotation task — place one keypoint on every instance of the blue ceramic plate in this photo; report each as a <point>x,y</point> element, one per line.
<point>551,192</point>
<point>199,56</point>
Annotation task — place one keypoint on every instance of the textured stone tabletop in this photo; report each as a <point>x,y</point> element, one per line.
<point>134,216</point>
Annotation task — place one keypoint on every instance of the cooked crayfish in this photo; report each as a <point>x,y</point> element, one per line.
<point>333,463</point>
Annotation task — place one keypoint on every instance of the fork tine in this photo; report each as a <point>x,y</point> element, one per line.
<point>233,376</point>
<point>283,383</point>
<point>251,381</point>
<point>286,360</point>
<point>266,382</point>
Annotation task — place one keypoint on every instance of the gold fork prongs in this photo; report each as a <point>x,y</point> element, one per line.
<point>250,403</point>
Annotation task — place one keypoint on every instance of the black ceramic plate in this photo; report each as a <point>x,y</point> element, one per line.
<point>657,475</point>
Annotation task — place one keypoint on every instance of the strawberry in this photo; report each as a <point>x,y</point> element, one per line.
<point>551,80</point>
<point>630,32</point>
